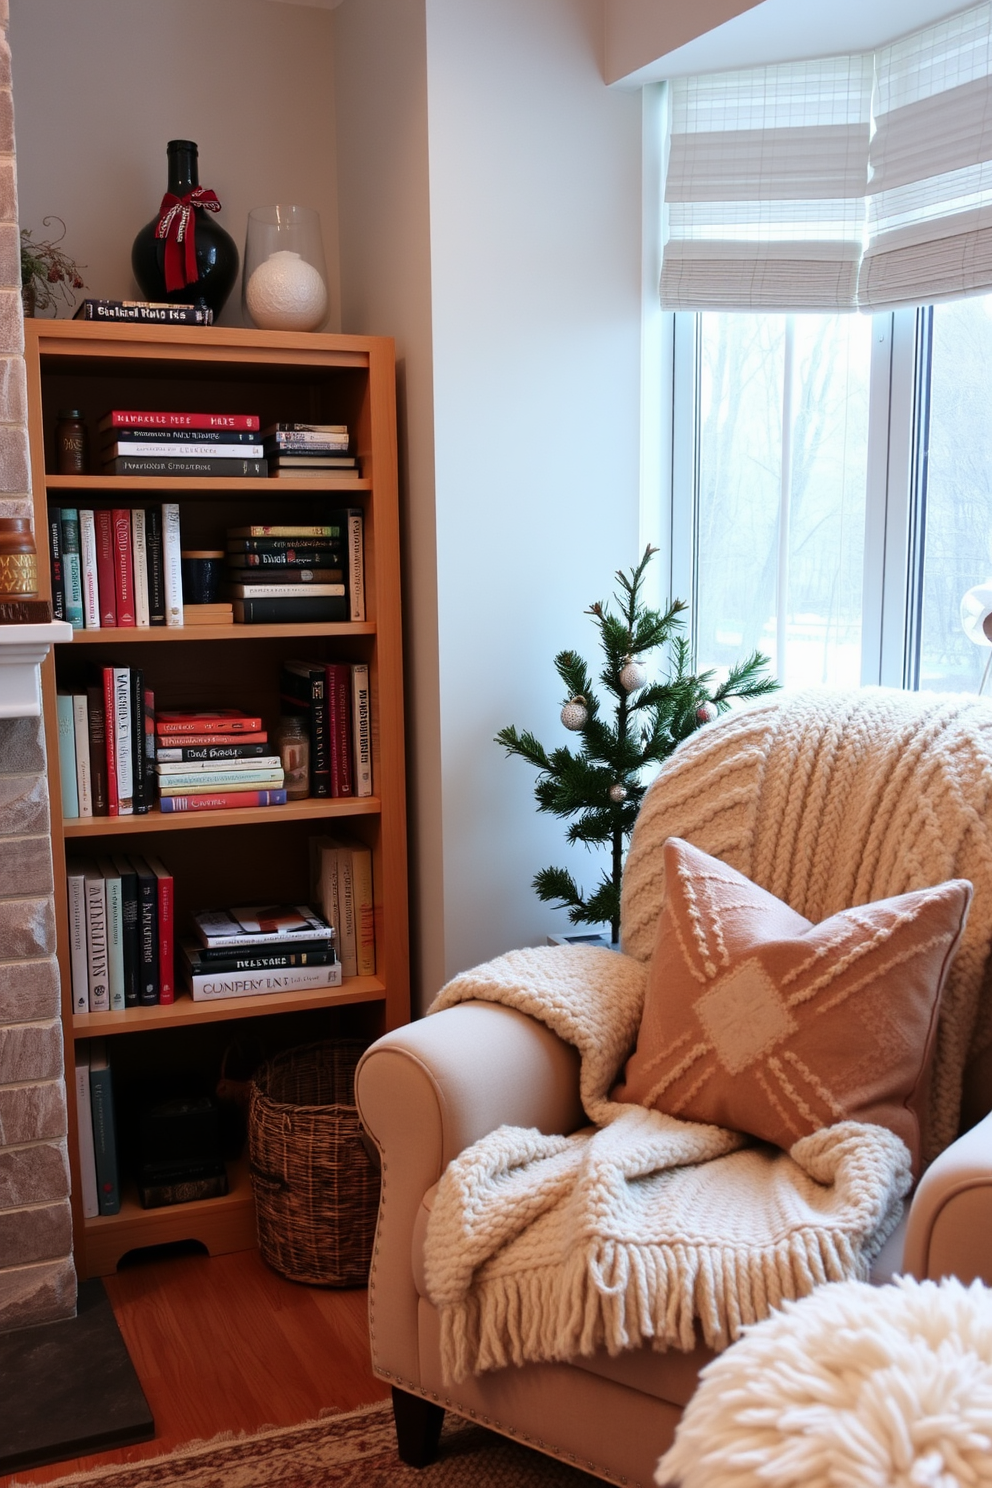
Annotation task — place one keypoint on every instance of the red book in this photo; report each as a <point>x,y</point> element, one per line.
<point>106,567</point>
<point>218,721</point>
<point>166,930</point>
<point>339,727</point>
<point>145,419</point>
<point>224,800</point>
<point>123,573</point>
<point>177,741</point>
<point>110,739</point>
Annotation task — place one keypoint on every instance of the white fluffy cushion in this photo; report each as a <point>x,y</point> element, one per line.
<point>853,1387</point>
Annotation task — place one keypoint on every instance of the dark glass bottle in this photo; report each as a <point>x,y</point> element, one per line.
<point>216,252</point>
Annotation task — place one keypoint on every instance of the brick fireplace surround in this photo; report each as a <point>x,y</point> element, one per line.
<point>37,1277</point>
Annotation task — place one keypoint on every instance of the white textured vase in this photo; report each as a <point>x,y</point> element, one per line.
<point>285,293</point>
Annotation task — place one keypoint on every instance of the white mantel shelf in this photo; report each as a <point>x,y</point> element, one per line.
<point>22,650</point>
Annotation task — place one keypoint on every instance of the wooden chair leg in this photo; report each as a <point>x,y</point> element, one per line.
<point>418,1428</point>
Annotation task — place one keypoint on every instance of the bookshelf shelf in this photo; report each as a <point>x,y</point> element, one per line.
<point>245,855</point>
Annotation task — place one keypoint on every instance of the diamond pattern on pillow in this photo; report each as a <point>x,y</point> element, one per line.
<point>758,1020</point>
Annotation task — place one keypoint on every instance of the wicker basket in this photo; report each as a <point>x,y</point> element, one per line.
<point>316,1188</point>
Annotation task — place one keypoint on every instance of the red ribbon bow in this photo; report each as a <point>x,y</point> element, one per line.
<point>177,225</point>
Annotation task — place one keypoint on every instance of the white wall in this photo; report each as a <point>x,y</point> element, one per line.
<point>532,346</point>
<point>101,86</point>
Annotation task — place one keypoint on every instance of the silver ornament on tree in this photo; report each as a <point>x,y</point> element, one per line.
<point>632,675</point>
<point>575,714</point>
<point>706,712</point>
<point>618,793</point>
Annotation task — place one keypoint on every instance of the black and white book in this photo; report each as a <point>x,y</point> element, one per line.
<point>260,924</point>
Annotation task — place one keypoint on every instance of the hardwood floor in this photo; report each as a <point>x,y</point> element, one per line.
<point>225,1344</point>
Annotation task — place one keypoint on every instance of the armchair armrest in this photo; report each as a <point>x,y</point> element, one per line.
<point>424,1093</point>
<point>950,1218</point>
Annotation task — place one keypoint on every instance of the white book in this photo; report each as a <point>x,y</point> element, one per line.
<point>81,731</point>
<point>69,785</point>
<point>139,564</point>
<point>173,450</point>
<point>122,741</point>
<point>337,892</point>
<point>96,939</point>
<point>364,908</point>
<point>75,872</point>
<point>356,565</point>
<point>220,780</point>
<point>87,564</point>
<point>199,767</point>
<point>286,591</point>
<point>361,727</point>
<point>172,560</point>
<point>115,933</point>
<point>209,988</point>
<point>84,1132</point>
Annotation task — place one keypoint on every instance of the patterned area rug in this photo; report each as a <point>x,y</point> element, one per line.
<point>357,1450</point>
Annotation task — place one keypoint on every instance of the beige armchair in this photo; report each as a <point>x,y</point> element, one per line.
<point>427,1091</point>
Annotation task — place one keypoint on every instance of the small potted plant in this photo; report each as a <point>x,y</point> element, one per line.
<point>48,274</point>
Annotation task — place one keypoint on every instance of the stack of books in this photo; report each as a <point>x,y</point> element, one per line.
<point>121,933</point>
<point>333,697</point>
<point>258,949</point>
<point>117,567</point>
<point>146,443</point>
<point>144,312</point>
<point>96,1128</point>
<point>298,574</point>
<point>308,450</point>
<point>215,761</point>
<point>107,744</point>
<point>341,882</point>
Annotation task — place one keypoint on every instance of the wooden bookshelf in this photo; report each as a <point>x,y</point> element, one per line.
<point>242,855</point>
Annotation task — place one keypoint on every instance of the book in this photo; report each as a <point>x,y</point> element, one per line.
<point>144,419</point>
<point>123,568</point>
<point>97,951</point>
<point>166,930</point>
<point>68,781</point>
<point>219,780</point>
<point>213,721</point>
<point>139,551</point>
<point>87,567</point>
<point>364,901</point>
<point>55,561</point>
<point>212,986</point>
<point>271,430</point>
<point>314,532</point>
<point>172,563</point>
<point>156,566</point>
<point>201,769</point>
<point>303,692</point>
<point>123,726</point>
<point>179,449</point>
<point>290,460</point>
<point>148,734</point>
<point>130,927</point>
<point>109,738</point>
<point>185,465</point>
<point>106,567</point>
<point>176,441</point>
<point>208,614</point>
<point>142,780</point>
<point>339,727</point>
<point>208,753</point>
<point>361,729</point>
<point>143,312</point>
<point>303,610</point>
<point>183,1190</point>
<point>84,1132</point>
<point>148,952</point>
<point>97,722</point>
<point>284,557</point>
<point>115,933</point>
<point>273,590</point>
<point>104,1132</point>
<point>170,740</point>
<point>356,562</point>
<point>283,573</point>
<point>200,961</point>
<point>260,924</point>
<point>286,471</point>
<point>75,871</point>
<point>223,801</point>
<point>71,564</point>
<point>335,891</point>
<point>81,741</point>
<point>305,439</point>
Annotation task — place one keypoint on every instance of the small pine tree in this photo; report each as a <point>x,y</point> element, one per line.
<point>600,785</point>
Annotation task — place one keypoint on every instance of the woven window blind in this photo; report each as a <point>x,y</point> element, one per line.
<point>765,188</point>
<point>930,183</point>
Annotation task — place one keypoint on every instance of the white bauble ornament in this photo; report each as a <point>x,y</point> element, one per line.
<point>618,793</point>
<point>575,714</point>
<point>706,712</point>
<point>285,293</point>
<point>633,675</point>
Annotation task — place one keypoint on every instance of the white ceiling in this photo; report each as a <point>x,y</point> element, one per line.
<point>788,30</point>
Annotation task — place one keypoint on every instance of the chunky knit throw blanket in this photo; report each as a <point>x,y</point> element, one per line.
<point>646,1227</point>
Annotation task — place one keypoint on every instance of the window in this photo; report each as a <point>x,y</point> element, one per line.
<point>832,490</point>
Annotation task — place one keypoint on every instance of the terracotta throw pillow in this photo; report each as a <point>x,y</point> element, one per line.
<point>757,1020</point>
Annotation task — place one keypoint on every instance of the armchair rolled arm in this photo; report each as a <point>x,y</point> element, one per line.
<point>425,1092</point>
<point>950,1219</point>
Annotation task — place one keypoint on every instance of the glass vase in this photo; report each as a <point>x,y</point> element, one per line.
<point>284,285</point>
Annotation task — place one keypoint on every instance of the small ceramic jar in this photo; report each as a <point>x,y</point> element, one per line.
<point>18,559</point>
